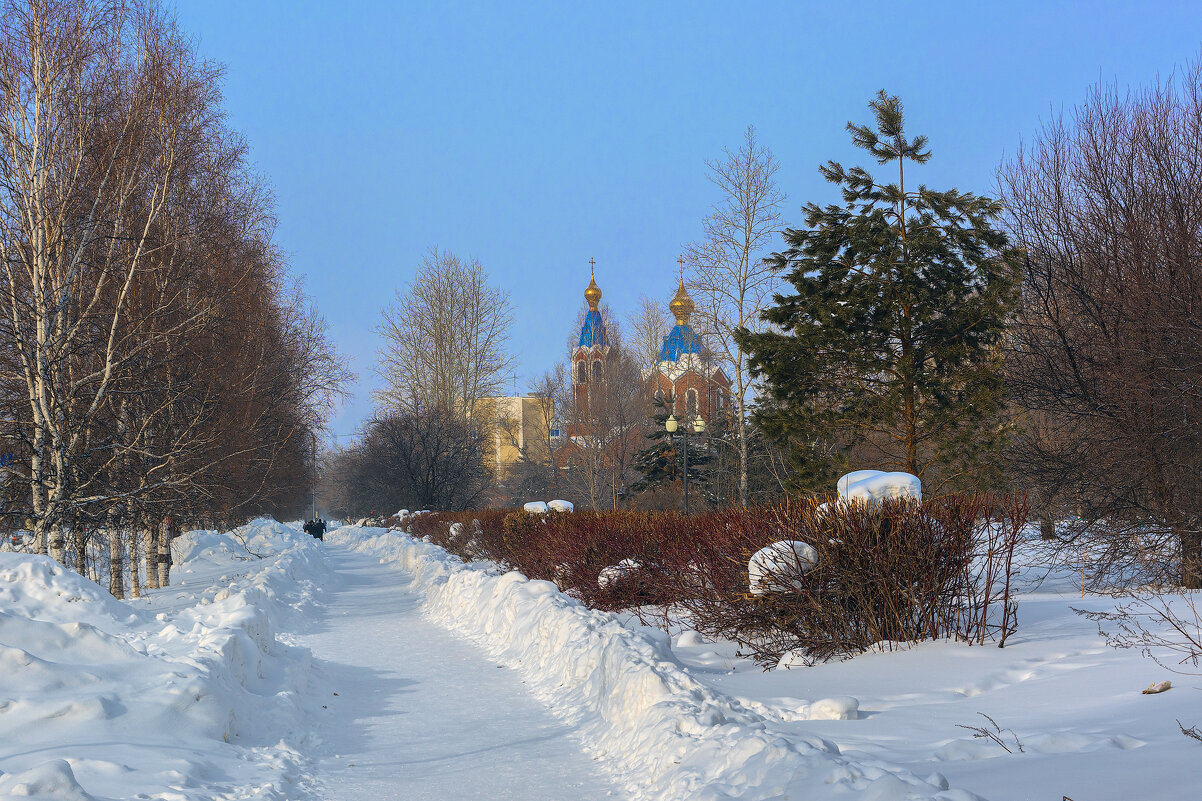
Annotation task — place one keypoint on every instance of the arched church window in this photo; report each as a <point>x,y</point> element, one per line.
<point>691,401</point>
<point>581,373</point>
<point>597,370</point>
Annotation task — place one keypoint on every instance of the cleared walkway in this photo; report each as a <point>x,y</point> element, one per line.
<point>412,712</point>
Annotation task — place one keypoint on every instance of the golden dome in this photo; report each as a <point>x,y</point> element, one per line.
<point>593,295</point>
<point>682,305</point>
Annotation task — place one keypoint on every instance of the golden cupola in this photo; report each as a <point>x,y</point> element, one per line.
<point>682,305</point>
<point>592,294</point>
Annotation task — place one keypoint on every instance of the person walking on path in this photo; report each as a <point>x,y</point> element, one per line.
<point>316,528</point>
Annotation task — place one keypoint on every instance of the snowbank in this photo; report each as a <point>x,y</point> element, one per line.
<point>536,508</point>
<point>664,733</point>
<point>109,699</point>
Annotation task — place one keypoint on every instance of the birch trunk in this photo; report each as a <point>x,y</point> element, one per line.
<point>135,585</point>
<point>116,582</point>
<point>152,558</point>
<point>56,544</point>
<point>164,555</point>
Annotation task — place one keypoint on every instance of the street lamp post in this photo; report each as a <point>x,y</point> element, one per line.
<point>671,425</point>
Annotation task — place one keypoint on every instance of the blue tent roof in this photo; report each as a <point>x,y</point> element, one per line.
<point>680,341</point>
<point>593,333</point>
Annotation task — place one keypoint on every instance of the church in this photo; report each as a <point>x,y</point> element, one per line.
<point>685,371</point>
<point>593,437</point>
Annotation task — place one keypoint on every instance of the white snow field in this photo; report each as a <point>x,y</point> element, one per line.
<point>374,666</point>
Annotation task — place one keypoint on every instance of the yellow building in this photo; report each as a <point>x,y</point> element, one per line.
<point>513,427</point>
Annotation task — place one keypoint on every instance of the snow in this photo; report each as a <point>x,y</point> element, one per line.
<point>870,486</point>
<point>105,699</point>
<point>615,573</point>
<point>791,557</point>
<point>543,507</point>
<point>377,666</point>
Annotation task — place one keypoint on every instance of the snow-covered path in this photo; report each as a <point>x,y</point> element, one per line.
<point>421,714</point>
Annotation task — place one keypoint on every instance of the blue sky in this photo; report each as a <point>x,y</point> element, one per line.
<point>535,136</point>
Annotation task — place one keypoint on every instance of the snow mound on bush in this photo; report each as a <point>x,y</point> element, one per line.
<point>871,486</point>
<point>562,506</point>
<point>778,567</point>
<point>536,508</point>
<point>667,735</point>
<point>615,573</point>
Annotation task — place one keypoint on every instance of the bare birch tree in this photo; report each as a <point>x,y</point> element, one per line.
<point>445,338</point>
<point>648,325</point>
<point>727,276</point>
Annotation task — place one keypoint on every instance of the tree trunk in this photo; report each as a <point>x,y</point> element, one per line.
<point>1190,540</point>
<point>152,558</point>
<point>116,579</point>
<point>741,428</point>
<point>164,554</point>
<point>1047,528</point>
<point>79,538</point>
<point>57,552</point>
<point>135,585</point>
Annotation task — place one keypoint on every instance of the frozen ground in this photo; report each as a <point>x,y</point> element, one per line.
<point>374,666</point>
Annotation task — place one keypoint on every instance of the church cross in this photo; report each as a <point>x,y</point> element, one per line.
<point>680,261</point>
<point>591,267</point>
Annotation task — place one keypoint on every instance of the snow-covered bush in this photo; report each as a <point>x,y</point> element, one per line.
<point>536,508</point>
<point>562,506</point>
<point>884,573</point>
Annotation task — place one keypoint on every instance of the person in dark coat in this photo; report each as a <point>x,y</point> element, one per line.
<point>316,528</point>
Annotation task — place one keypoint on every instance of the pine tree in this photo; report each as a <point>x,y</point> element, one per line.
<point>888,350</point>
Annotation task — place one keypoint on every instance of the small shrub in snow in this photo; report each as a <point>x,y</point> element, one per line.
<point>885,573</point>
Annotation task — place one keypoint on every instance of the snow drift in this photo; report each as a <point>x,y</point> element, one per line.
<point>106,699</point>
